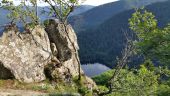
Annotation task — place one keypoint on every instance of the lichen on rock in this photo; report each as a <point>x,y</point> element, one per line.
<point>65,40</point>
<point>66,53</point>
<point>25,54</point>
<point>39,52</point>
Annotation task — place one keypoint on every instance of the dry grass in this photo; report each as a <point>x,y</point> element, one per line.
<point>43,87</point>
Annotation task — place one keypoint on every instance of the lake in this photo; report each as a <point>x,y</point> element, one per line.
<point>94,69</point>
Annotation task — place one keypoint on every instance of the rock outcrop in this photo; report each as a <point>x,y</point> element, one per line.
<point>65,48</point>
<point>25,54</point>
<point>38,53</point>
<point>65,40</point>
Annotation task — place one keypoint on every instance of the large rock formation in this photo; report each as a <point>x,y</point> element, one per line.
<point>65,48</point>
<point>37,53</point>
<point>25,54</point>
<point>65,40</point>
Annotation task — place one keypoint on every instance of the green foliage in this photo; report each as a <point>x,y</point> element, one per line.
<point>61,8</point>
<point>154,42</point>
<point>164,86</point>
<point>142,82</point>
<point>46,22</point>
<point>22,12</point>
<point>143,22</point>
<point>102,88</point>
<point>149,65</point>
<point>82,89</point>
<point>163,90</point>
<point>103,42</point>
<point>44,87</point>
<point>102,78</point>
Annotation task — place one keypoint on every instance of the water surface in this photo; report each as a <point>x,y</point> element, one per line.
<point>94,69</point>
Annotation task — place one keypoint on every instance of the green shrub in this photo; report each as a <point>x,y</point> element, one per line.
<point>164,90</point>
<point>103,78</point>
<point>141,82</point>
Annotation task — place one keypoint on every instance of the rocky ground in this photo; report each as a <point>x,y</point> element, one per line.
<point>15,88</point>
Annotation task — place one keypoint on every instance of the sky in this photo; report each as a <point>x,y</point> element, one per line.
<point>87,2</point>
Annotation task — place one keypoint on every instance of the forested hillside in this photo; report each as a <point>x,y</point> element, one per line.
<point>81,9</point>
<point>104,42</point>
<point>101,13</point>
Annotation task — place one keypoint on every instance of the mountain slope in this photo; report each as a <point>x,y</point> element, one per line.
<point>78,10</point>
<point>104,42</point>
<point>81,9</point>
<point>101,13</point>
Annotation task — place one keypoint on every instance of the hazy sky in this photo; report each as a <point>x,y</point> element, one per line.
<point>88,2</point>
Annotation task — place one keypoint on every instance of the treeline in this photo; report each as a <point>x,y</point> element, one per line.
<point>104,43</point>
<point>153,42</point>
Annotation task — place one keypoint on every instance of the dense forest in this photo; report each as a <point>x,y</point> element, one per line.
<point>147,80</point>
<point>104,42</point>
<point>94,17</point>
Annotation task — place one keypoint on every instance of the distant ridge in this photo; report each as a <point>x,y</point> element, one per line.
<point>104,42</point>
<point>99,14</point>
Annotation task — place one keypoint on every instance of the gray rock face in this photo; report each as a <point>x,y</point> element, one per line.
<point>25,54</point>
<point>28,54</point>
<point>36,54</point>
<point>64,38</point>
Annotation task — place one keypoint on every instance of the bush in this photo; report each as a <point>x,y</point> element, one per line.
<point>141,82</point>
